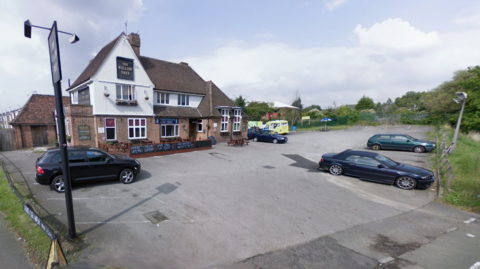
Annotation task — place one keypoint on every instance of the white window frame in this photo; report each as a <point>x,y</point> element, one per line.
<point>163,98</point>
<point>237,120</point>
<point>225,119</point>
<point>75,98</point>
<point>163,130</point>
<point>199,126</point>
<point>140,127</point>
<point>114,127</point>
<point>131,89</point>
<point>183,100</point>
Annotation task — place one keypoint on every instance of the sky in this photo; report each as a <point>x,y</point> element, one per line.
<point>328,51</point>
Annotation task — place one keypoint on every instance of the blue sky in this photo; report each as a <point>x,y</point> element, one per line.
<point>329,51</point>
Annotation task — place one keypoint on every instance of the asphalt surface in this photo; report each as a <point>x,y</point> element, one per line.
<point>11,248</point>
<point>263,206</point>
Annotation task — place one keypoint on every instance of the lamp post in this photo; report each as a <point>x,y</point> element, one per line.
<point>461,98</point>
<point>57,86</point>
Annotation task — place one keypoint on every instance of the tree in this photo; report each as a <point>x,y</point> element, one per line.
<point>239,101</point>
<point>308,108</point>
<point>257,109</point>
<point>365,103</point>
<point>411,100</point>
<point>297,101</point>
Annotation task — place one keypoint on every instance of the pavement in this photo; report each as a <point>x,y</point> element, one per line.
<point>263,206</point>
<point>12,254</point>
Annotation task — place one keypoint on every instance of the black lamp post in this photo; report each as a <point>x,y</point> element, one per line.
<point>56,79</point>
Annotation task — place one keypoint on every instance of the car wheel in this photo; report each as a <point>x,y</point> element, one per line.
<point>255,139</point>
<point>275,141</point>
<point>336,170</point>
<point>376,147</point>
<point>406,183</point>
<point>127,176</point>
<point>419,149</point>
<point>58,185</point>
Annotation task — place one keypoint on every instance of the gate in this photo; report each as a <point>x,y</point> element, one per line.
<point>7,140</point>
<point>39,136</point>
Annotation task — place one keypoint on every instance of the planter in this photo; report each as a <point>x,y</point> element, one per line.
<point>126,103</point>
<point>224,133</point>
<point>146,98</point>
<point>106,94</point>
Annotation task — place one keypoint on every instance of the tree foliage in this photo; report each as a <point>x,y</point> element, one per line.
<point>365,103</point>
<point>257,109</point>
<point>240,101</point>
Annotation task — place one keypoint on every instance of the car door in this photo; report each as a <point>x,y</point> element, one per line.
<point>401,142</point>
<point>368,168</point>
<point>385,141</point>
<point>262,135</point>
<point>100,166</point>
<point>78,165</point>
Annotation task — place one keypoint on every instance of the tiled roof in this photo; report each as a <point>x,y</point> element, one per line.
<point>168,76</point>
<point>176,112</point>
<point>96,63</point>
<point>38,110</point>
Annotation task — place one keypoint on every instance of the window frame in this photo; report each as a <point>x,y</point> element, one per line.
<point>225,119</point>
<point>183,100</point>
<point>199,126</point>
<point>134,127</point>
<point>163,130</point>
<point>131,89</point>
<point>163,98</point>
<point>237,120</point>
<point>114,127</point>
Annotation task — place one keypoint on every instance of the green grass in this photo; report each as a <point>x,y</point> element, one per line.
<point>465,189</point>
<point>38,243</point>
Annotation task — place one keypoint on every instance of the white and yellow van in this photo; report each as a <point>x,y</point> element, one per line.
<point>279,126</point>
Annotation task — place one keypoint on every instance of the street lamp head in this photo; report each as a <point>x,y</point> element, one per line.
<point>74,39</point>
<point>461,95</point>
<point>28,29</point>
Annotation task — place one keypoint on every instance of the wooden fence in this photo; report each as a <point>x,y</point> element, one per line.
<point>7,140</point>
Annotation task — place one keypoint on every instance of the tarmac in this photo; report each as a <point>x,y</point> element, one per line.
<point>12,253</point>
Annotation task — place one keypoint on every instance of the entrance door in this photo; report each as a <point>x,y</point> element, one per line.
<point>39,136</point>
<point>192,132</point>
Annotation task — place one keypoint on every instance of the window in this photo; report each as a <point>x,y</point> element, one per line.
<point>200,126</point>
<point>74,97</point>
<point>398,138</point>
<point>183,100</point>
<point>95,156</point>
<point>383,137</point>
<point>170,130</point>
<point>137,128</point>
<point>67,127</point>
<point>76,157</point>
<point>224,122</point>
<point>110,129</point>
<point>367,161</point>
<point>163,98</point>
<point>236,121</point>
<point>126,92</point>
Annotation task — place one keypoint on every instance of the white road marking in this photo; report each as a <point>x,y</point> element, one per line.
<point>158,200</point>
<point>111,222</point>
<point>470,220</point>
<point>93,198</point>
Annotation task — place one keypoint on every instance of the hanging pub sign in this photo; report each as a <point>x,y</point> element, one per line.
<point>84,132</point>
<point>166,120</point>
<point>124,68</point>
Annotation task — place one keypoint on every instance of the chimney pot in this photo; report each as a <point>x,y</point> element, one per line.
<point>134,40</point>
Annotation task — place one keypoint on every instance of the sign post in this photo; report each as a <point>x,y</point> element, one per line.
<point>56,79</point>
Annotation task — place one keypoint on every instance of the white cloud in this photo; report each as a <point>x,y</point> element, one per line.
<point>395,34</point>
<point>378,68</point>
<point>333,4</point>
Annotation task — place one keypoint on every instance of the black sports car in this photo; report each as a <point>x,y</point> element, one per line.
<point>372,166</point>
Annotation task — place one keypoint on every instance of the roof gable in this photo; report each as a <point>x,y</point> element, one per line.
<point>38,110</point>
<point>96,63</point>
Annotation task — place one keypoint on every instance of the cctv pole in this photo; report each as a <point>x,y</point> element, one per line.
<point>57,86</point>
<point>457,129</point>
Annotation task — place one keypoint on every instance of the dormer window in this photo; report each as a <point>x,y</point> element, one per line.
<point>236,121</point>
<point>163,98</point>
<point>224,122</point>
<point>183,100</point>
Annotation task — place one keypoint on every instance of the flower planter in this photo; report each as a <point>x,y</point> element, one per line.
<point>126,102</point>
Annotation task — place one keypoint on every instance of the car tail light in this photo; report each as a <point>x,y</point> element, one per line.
<point>40,170</point>
<point>321,160</point>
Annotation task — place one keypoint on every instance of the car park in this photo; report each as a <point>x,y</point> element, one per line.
<point>371,166</point>
<point>400,142</point>
<point>269,136</point>
<point>86,165</point>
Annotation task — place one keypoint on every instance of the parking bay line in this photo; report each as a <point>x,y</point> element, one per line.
<point>111,222</point>
<point>92,198</point>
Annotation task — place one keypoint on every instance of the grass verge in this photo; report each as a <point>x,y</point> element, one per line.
<point>37,242</point>
<point>464,192</point>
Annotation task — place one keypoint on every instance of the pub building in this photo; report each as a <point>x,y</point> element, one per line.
<point>123,97</point>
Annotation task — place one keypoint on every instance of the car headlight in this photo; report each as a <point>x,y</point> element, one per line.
<point>425,177</point>
<point>433,145</point>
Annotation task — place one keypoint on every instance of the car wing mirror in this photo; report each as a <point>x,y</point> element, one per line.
<point>381,166</point>
<point>107,160</point>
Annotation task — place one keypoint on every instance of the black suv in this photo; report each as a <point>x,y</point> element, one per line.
<point>85,165</point>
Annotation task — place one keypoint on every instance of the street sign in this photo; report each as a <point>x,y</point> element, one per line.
<point>54,54</point>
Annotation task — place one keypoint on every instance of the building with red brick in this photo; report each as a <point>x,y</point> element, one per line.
<point>122,96</point>
<point>35,124</point>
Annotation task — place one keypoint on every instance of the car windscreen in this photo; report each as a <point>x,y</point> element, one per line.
<point>411,138</point>
<point>388,162</point>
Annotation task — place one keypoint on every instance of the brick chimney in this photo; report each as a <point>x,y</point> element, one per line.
<point>134,40</point>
